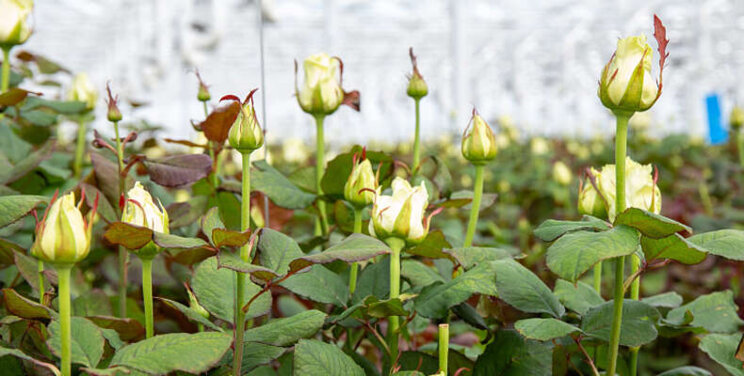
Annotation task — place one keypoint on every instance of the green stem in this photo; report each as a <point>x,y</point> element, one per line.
<point>416,139</point>
<point>621,136</point>
<point>475,205</point>
<point>245,224</point>
<point>396,245</point>
<point>63,281</point>
<point>5,82</point>
<point>40,269</point>
<point>598,278</point>
<point>79,149</point>
<point>443,347</point>
<point>147,295</point>
<point>206,110</point>
<point>740,146</point>
<point>319,170</point>
<point>354,266</point>
<point>635,294</point>
<point>123,255</point>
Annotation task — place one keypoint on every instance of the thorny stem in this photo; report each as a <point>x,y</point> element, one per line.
<point>319,170</point>
<point>416,139</point>
<point>354,266</point>
<point>245,224</point>
<point>147,295</point>
<point>621,136</point>
<point>475,205</point>
<point>589,359</point>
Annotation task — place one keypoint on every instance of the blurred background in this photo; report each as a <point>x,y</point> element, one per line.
<point>534,63</point>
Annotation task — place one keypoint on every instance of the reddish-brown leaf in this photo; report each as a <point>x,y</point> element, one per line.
<point>661,39</point>
<point>14,96</point>
<point>127,235</point>
<point>217,125</point>
<point>179,170</point>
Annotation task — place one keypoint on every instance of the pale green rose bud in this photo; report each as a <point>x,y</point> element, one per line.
<point>478,141</point>
<point>590,202</point>
<point>401,215</point>
<point>203,94</point>
<point>539,146</point>
<point>14,22</point>
<point>321,92</point>
<point>140,210</point>
<point>82,91</point>
<point>561,173</point>
<point>360,182</point>
<point>641,190</point>
<point>194,304</point>
<point>63,235</point>
<point>417,87</point>
<point>112,114</point>
<point>246,134</point>
<point>626,84</point>
<point>736,120</point>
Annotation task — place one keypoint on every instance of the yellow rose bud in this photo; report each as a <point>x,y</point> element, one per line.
<point>478,142</point>
<point>641,190</point>
<point>140,210</point>
<point>82,91</point>
<point>590,202</point>
<point>401,215</point>
<point>360,182</point>
<point>321,92</point>
<point>246,134</point>
<point>561,173</point>
<point>14,23</point>
<point>63,235</point>
<point>736,120</point>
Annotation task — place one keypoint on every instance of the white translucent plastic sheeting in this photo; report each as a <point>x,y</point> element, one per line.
<point>536,62</point>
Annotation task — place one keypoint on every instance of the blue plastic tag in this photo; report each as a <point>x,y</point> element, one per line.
<point>716,133</point>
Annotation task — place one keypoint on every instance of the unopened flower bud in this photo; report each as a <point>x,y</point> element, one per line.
<point>113,114</point>
<point>360,182</point>
<point>417,87</point>
<point>194,305</point>
<point>83,91</point>
<point>401,215</point>
<point>561,173</point>
<point>203,94</point>
<point>63,235</point>
<point>14,23</point>
<point>246,134</point>
<point>590,202</point>
<point>478,141</point>
<point>141,210</point>
<point>321,92</point>
<point>626,84</point>
<point>736,120</point>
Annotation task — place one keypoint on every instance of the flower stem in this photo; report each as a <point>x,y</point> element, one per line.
<point>147,294</point>
<point>40,269</point>
<point>123,255</point>
<point>635,294</point>
<point>63,275</point>
<point>621,136</point>
<point>443,348</point>
<point>319,170</point>
<point>740,146</point>
<point>354,266</point>
<point>416,139</point>
<point>245,224</point>
<point>475,205</point>
<point>598,278</point>
<point>396,245</point>
<point>79,149</point>
<point>5,82</point>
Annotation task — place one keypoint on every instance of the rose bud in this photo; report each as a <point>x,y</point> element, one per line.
<point>401,215</point>
<point>361,184</point>
<point>140,210</point>
<point>63,235</point>
<point>246,134</point>
<point>478,141</point>
<point>83,91</point>
<point>417,87</point>
<point>14,23</point>
<point>321,92</point>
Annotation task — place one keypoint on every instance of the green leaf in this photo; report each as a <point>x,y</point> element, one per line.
<point>722,349</point>
<point>232,261</point>
<point>471,256</point>
<point>128,329</point>
<point>280,190</point>
<point>86,344</point>
<point>227,238</point>
<point>276,250</point>
<point>544,329</point>
<point>523,290</point>
<point>418,274</point>
<point>15,207</point>
<point>686,371</point>
<point>434,301</point>
<point>210,222</point>
<point>192,353</point>
<point>575,253</point>
<point>24,308</point>
<point>356,247</point>
<point>215,289</point>
<point>128,235</point>
<point>433,246</point>
<point>553,229</point>
<point>62,107</point>
<point>673,247</point>
<point>374,280</point>
<point>27,164</point>
<point>715,312</point>
<point>287,331</point>
<point>727,243</point>
<point>649,224</point>
<point>513,355</point>
<point>319,285</point>
<point>190,314</point>
<point>256,354</point>
<point>313,358</point>
<point>578,297</point>
<point>638,322</point>
<point>170,241</point>
<point>468,314</point>
<point>20,355</point>
<point>664,300</point>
